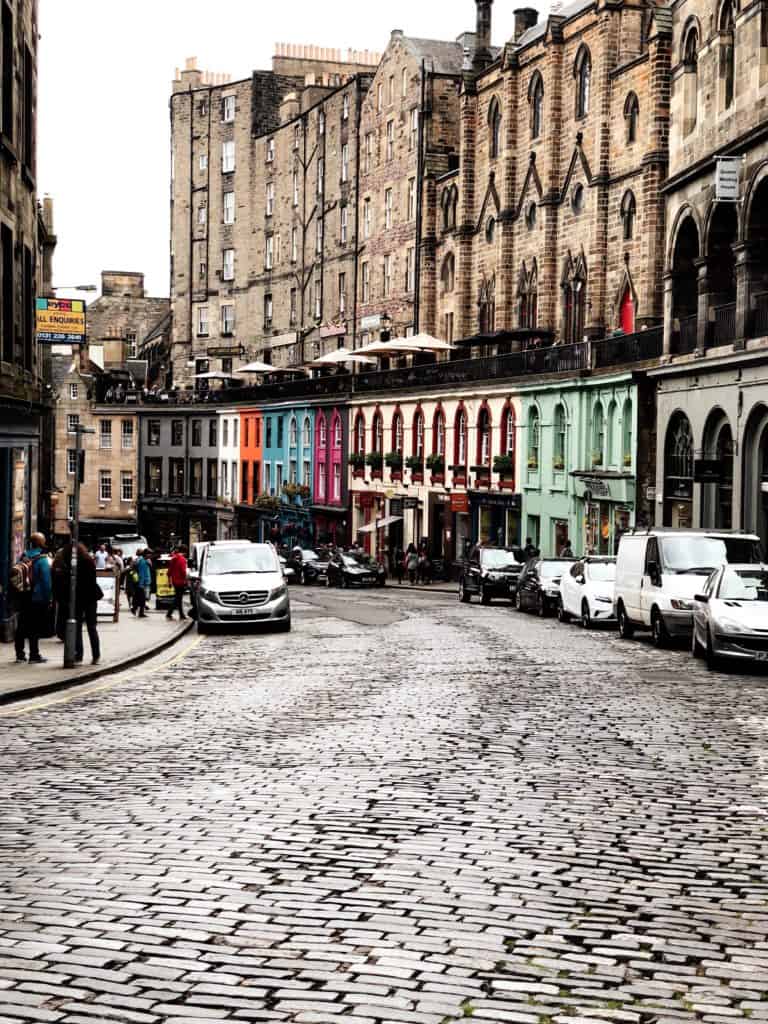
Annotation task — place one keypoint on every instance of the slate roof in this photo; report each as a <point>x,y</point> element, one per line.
<point>566,12</point>
<point>446,57</point>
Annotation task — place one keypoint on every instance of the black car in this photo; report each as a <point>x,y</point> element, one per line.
<point>538,589</point>
<point>489,573</point>
<point>309,566</point>
<point>348,571</point>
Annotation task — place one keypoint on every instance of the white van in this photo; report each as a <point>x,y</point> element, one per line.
<point>659,571</point>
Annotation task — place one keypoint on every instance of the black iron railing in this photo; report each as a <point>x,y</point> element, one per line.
<point>722,327</point>
<point>684,340</point>
<point>628,348</point>
<point>759,317</point>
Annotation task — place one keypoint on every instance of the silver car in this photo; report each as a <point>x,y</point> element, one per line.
<point>730,615</point>
<point>242,585</point>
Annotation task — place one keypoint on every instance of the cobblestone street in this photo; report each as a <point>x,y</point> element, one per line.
<point>406,810</point>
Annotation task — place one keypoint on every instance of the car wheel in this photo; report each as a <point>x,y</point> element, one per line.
<point>518,601</point>
<point>712,660</point>
<point>464,596</point>
<point>328,581</point>
<point>626,629</point>
<point>696,649</point>
<point>344,582</point>
<point>659,630</point>
<point>485,598</point>
<point>586,618</point>
<point>541,606</point>
<point>202,629</point>
<point>562,614</point>
<point>304,578</point>
<point>284,627</point>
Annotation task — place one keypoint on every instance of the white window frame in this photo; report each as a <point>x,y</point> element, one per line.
<point>74,391</point>
<point>387,275</point>
<point>336,492</point>
<point>228,318</point>
<point>365,277</point>
<point>344,219</point>
<point>127,435</point>
<point>411,199</point>
<point>105,435</point>
<point>404,83</point>
<point>105,477</point>
<point>320,233</point>
<point>126,477</point>
<point>390,141</point>
<point>294,245</point>
<point>270,151</point>
<point>320,175</point>
<point>413,135</point>
<point>367,218</point>
<point>229,207</point>
<point>202,215</point>
<point>410,270</point>
<point>388,207</point>
<point>71,461</point>
<point>342,293</point>
<point>228,108</point>
<point>203,162</point>
<point>202,321</point>
<point>295,186</point>
<point>227,157</point>
<point>345,162</point>
<point>270,198</point>
<point>70,506</point>
<point>228,265</point>
<point>73,421</point>
<point>345,107</point>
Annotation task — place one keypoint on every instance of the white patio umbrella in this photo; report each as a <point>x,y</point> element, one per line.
<point>342,355</point>
<point>213,375</point>
<point>256,367</point>
<point>426,343</point>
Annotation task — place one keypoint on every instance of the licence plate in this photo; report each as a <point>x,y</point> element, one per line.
<point>761,656</point>
<point>241,612</point>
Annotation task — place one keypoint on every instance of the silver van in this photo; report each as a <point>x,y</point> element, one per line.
<point>659,571</point>
<point>242,584</point>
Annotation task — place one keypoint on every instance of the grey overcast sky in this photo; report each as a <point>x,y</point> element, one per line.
<point>105,72</point>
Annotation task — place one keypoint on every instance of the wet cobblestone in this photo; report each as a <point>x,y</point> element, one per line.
<point>457,813</point>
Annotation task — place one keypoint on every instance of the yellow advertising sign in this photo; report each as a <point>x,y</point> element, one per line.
<point>61,321</point>
<point>164,587</point>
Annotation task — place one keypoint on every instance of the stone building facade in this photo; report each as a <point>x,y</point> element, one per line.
<point>712,399</point>
<point>23,242</point>
<point>264,204</point>
<point>554,217</point>
<point>121,318</point>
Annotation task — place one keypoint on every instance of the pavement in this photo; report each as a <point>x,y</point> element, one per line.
<point>126,642</point>
<point>406,810</point>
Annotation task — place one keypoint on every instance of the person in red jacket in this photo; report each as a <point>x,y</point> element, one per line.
<point>177,576</point>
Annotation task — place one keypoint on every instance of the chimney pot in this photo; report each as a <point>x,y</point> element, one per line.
<point>525,18</point>
<point>483,55</point>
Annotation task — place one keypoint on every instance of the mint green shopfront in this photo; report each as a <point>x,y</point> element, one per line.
<point>578,441</point>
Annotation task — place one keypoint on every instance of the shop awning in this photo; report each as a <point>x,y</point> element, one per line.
<point>380,524</point>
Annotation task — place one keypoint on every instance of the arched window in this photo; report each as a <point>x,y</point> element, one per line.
<point>494,128</point>
<point>611,455</point>
<point>487,306</point>
<point>536,101</point>
<point>628,214</point>
<point>631,117</point>
<point>377,439</point>
<point>448,273</point>
<point>293,433</point>
<point>574,303</point>
<point>558,439</point>
<point>508,431</point>
<point>322,433</point>
<point>678,472</point>
<point>460,438</point>
<point>583,74</point>
<point>438,433</point>
<point>397,433</point>
<point>690,79</point>
<point>359,434</point>
<point>598,435</point>
<point>418,435</point>
<point>534,438</point>
<point>727,53</point>
<point>528,290</point>
<point>449,202</point>
<point>336,431</point>
<point>490,230</point>
<point>626,435</point>
<point>484,437</point>
<point>307,433</point>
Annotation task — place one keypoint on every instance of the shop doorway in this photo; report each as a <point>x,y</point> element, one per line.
<point>561,535</point>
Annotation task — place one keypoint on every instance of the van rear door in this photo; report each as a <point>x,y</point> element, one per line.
<point>629,573</point>
<point>650,588</point>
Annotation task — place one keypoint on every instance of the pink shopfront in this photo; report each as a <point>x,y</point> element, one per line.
<point>329,500</point>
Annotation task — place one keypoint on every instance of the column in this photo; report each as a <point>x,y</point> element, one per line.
<point>669,311</point>
<point>744,265</point>
<point>702,309</point>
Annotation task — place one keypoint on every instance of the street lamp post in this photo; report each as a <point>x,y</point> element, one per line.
<point>70,635</point>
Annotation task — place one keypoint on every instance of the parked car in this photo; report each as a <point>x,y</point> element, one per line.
<point>288,572</point>
<point>490,573</point>
<point>345,570</point>
<point>586,592</point>
<point>242,584</point>
<point>659,571</point>
<point>129,544</point>
<point>730,615</point>
<point>370,563</point>
<point>308,566</point>
<point>539,586</point>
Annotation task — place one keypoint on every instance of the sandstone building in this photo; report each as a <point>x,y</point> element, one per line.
<point>712,399</point>
<point>264,210</point>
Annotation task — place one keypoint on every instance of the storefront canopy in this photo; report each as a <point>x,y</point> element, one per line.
<point>380,524</point>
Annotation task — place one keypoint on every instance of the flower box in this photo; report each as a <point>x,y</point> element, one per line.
<point>377,474</point>
<point>507,483</point>
<point>417,476</point>
<point>397,474</point>
<point>358,472</point>
<point>437,478</point>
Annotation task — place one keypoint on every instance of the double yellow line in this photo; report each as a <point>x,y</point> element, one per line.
<point>77,694</point>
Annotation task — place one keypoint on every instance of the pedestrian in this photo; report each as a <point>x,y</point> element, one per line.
<point>530,550</point>
<point>30,585</point>
<point>424,567</point>
<point>567,551</point>
<point>100,557</point>
<point>177,576</point>
<point>412,563</point>
<point>88,593</point>
<point>399,566</point>
<point>142,583</point>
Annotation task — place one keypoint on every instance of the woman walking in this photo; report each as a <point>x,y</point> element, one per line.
<point>88,593</point>
<point>412,563</point>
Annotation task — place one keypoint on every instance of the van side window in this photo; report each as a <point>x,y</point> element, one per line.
<point>577,570</point>
<point>651,554</point>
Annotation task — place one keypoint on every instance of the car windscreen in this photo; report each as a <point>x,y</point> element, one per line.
<point>241,560</point>
<point>744,585</point>
<point>492,558</point>
<point>350,561</point>
<point>702,555</point>
<point>308,555</point>
<point>552,569</point>
<point>602,572</point>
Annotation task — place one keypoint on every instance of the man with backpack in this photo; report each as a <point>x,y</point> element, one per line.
<point>30,584</point>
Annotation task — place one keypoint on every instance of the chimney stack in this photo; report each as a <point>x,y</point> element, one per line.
<point>525,18</point>
<point>483,56</point>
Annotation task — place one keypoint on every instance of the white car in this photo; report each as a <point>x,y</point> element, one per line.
<point>242,585</point>
<point>730,615</point>
<point>586,592</point>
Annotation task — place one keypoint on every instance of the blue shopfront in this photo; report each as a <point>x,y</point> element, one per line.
<point>496,518</point>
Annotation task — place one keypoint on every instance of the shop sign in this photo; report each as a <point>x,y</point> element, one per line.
<point>60,321</point>
<point>366,500</point>
<point>511,502</point>
<point>596,487</point>
<point>411,503</point>
<point>396,506</point>
<point>224,352</point>
<point>727,179</point>
<point>460,504</point>
<point>370,323</point>
<point>708,471</point>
